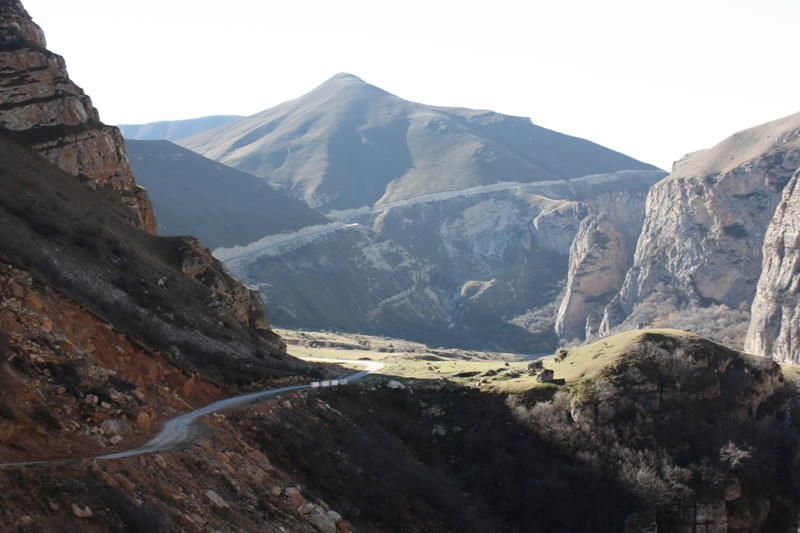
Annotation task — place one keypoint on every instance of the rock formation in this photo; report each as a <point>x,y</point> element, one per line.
<point>56,118</point>
<point>316,279</point>
<point>597,266</point>
<point>705,224</point>
<point>775,327</point>
<point>600,255</point>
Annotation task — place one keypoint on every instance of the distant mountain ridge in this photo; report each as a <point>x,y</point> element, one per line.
<point>171,130</point>
<point>348,144</point>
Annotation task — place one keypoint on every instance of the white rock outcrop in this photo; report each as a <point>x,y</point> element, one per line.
<point>597,266</point>
<point>775,326</point>
<point>705,224</point>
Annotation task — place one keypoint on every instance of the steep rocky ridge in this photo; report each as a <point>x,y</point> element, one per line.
<point>775,327</point>
<point>107,330</point>
<point>56,118</point>
<point>217,204</point>
<point>701,242</point>
<point>167,292</point>
<point>349,144</point>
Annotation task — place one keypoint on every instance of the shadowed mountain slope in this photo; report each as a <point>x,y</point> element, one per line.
<point>167,292</point>
<point>219,205</point>
<point>74,219</point>
<point>349,144</point>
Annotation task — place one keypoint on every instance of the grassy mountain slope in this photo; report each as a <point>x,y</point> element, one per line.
<point>349,144</point>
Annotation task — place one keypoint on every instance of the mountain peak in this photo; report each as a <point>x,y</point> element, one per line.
<point>346,85</point>
<point>345,76</point>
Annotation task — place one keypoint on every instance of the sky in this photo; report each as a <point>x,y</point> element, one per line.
<point>652,79</point>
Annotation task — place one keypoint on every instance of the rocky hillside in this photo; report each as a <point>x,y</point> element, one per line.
<point>217,204</point>
<point>52,115</point>
<point>701,247</point>
<point>483,268</point>
<point>345,277</point>
<point>349,144</point>
<point>637,432</point>
<point>76,221</point>
<point>510,250</point>
<point>775,324</point>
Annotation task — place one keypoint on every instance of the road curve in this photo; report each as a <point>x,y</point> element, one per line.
<point>177,430</point>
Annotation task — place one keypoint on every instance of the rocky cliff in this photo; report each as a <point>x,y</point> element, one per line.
<point>701,242</point>
<point>600,256</point>
<point>775,324</point>
<point>56,118</point>
<point>509,249</point>
<point>598,261</point>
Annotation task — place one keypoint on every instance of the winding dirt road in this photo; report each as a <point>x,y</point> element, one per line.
<point>178,430</point>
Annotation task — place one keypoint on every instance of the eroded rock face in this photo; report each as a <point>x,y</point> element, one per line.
<point>600,255</point>
<point>775,325</point>
<point>506,247</point>
<point>52,115</point>
<point>597,265</point>
<point>705,225</point>
<point>229,295</point>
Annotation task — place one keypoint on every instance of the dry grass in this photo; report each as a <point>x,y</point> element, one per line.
<point>585,361</point>
<point>496,372</point>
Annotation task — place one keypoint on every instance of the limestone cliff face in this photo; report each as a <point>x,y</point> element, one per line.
<point>597,266</point>
<point>52,115</point>
<point>775,325</point>
<point>505,249</point>
<point>701,241</point>
<point>600,255</point>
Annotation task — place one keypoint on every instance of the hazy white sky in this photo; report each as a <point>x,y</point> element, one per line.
<point>652,79</point>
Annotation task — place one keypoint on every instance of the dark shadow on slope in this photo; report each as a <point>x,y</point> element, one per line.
<point>165,293</point>
<point>434,456</point>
